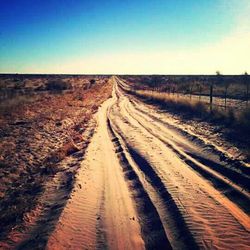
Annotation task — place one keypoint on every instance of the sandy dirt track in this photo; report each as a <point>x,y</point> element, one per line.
<point>143,184</point>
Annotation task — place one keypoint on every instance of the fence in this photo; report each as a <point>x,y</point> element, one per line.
<point>221,91</point>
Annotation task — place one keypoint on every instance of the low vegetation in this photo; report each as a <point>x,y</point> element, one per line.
<point>238,119</point>
<point>220,86</point>
<point>57,85</point>
<point>232,122</point>
<point>217,98</point>
<point>37,134</point>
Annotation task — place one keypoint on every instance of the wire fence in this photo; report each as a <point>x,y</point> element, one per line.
<point>219,102</point>
<point>220,91</point>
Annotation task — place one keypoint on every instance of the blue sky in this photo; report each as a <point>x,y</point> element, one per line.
<point>150,36</point>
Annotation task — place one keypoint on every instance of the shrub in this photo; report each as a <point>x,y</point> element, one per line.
<point>92,81</point>
<point>57,85</point>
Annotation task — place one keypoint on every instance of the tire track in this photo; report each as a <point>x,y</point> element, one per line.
<point>170,206</point>
<point>233,169</point>
<point>233,192</point>
<point>174,216</point>
<point>151,226</point>
<point>98,215</point>
<point>208,214</point>
<point>233,166</point>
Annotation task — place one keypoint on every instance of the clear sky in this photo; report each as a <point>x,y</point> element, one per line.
<point>125,36</point>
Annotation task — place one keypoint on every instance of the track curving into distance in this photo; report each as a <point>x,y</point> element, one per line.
<point>144,184</point>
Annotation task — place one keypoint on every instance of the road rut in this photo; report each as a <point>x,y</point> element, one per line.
<point>145,185</point>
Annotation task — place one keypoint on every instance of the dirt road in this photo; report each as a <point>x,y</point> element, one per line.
<point>145,184</point>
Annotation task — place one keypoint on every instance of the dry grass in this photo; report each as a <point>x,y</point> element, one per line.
<point>34,136</point>
<point>238,119</point>
<point>165,99</point>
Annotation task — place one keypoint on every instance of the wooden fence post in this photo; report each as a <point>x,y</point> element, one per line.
<point>226,88</point>
<point>190,91</point>
<point>211,96</point>
<point>247,84</point>
<point>245,80</point>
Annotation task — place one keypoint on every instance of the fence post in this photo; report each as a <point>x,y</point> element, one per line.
<point>190,91</point>
<point>211,96</point>
<point>247,83</point>
<point>226,87</point>
<point>245,80</point>
<point>200,92</point>
<point>247,92</point>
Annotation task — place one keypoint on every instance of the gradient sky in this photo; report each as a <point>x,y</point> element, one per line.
<point>129,36</point>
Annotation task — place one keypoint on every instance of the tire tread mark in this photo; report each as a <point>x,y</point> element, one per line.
<point>152,229</point>
<point>229,191</point>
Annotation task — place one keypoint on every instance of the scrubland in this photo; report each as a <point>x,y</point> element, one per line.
<point>152,169</point>
<point>42,119</point>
